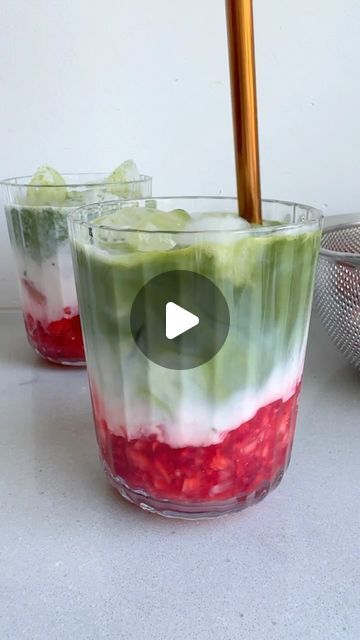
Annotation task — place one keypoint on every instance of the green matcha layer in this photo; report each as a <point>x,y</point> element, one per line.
<point>38,231</point>
<point>267,281</point>
<point>37,215</point>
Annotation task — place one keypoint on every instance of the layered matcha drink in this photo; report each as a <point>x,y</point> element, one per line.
<point>214,436</point>
<point>36,210</point>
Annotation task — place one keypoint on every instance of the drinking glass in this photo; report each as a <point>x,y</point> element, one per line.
<point>37,223</point>
<point>177,437</point>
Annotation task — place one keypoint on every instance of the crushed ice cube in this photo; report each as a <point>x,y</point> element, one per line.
<point>217,222</point>
<point>127,172</point>
<point>46,187</point>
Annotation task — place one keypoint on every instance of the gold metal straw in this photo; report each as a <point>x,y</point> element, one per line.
<point>243,88</point>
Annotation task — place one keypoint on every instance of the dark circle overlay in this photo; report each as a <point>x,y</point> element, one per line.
<point>196,294</point>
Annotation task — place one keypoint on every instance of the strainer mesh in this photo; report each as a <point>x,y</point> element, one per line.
<point>337,292</point>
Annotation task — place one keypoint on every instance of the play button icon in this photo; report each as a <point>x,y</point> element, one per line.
<point>179,319</point>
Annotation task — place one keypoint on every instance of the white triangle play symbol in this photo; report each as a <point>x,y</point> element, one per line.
<point>178,320</point>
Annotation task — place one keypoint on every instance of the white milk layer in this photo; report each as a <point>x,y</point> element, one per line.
<point>194,421</point>
<point>53,279</point>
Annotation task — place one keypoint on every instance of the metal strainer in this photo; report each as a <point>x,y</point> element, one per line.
<point>337,292</point>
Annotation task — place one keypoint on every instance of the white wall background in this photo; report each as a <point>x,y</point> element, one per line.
<point>86,84</point>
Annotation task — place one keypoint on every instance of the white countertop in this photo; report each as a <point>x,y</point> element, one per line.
<point>77,561</point>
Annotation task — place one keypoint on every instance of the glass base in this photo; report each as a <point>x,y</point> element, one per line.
<point>60,361</point>
<point>188,510</point>
<point>59,342</point>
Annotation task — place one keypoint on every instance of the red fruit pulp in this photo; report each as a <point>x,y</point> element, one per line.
<point>247,460</point>
<point>59,340</point>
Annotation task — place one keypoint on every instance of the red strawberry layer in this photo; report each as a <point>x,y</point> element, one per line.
<point>60,340</point>
<point>246,460</point>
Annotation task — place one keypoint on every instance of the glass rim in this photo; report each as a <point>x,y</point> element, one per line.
<point>75,216</point>
<point>90,182</point>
